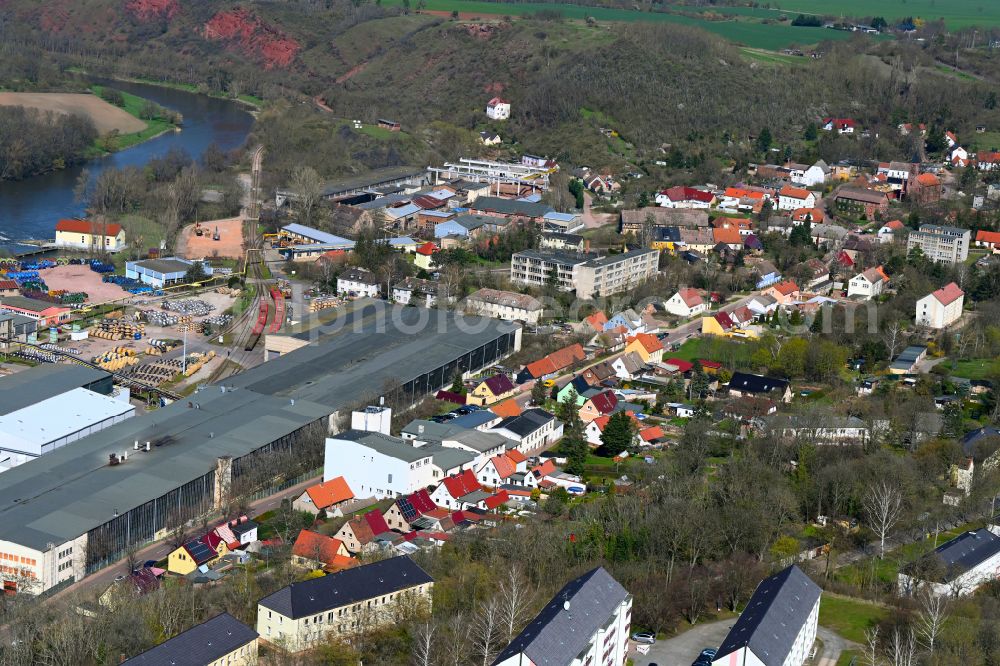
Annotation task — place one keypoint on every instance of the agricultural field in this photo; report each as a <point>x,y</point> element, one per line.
<point>956,13</point>
<point>746,27</point>
<point>106,117</point>
<point>146,131</point>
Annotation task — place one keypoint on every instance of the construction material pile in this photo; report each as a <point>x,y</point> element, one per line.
<point>192,307</point>
<point>117,359</point>
<point>118,328</point>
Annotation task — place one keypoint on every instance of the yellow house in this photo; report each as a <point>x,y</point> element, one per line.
<point>90,235</point>
<point>647,346</point>
<point>722,324</point>
<point>196,552</point>
<point>424,257</point>
<point>489,391</point>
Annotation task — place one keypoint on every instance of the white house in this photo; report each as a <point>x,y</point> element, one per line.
<point>503,469</point>
<point>589,621</point>
<point>378,465</point>
<point>532,429</point>
<point>868,284</point>
<point>498,109</point>
<point>358,282</point>
<point>810,176</point>
<point>686,302</point>
<point>793,198</point>
<point>940,308</point>
<point>778,625</point>
<point>506,305</point>
<point>969,560</point>
<point>628,366</point>
<point>489,138</point>
<point>889,231</point>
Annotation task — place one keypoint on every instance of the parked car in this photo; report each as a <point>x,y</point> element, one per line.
<point>644,637</point>
<point>708,653</point>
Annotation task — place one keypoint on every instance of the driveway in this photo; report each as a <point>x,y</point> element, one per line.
<point>682,650</point>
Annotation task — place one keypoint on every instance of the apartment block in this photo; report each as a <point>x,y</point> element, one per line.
<point>939,243</point>
<point>587,275</point>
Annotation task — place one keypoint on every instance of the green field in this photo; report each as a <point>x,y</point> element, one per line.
<point>849,617</point>
<point>746,27</point>
<point>956,13</point>
<point>133,105</point>
<point>982,368</point>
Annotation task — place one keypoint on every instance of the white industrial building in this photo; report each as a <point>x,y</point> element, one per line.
<point>160,273</point>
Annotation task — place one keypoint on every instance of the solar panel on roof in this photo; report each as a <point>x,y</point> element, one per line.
<point>199,551</point>
<point>409,513</point>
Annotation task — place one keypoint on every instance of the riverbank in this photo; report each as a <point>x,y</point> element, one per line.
<point>133,105</point>
<point>247,100</point>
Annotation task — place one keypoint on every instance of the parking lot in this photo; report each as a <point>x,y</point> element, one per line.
<point>684,649</point>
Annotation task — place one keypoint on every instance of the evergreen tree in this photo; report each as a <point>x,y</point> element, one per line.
<point>538,393</point>
<point>817,324</point>
<point>617,435</point>
<point>764,140</point>
<point>456,384</point>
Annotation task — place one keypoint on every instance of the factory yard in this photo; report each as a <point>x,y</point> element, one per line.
<point>79,277</point>
<point>229,245</point>
<point>106,117</point>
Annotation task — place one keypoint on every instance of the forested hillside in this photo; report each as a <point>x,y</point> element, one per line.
<point>656,84</point>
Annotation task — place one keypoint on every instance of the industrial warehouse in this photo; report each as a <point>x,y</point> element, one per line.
<point>81,507</point>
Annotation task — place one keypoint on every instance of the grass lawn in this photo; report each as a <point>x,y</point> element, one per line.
<point>985,141</point>
<point>956,13</point>
<point>979,368</point>
<point>954,72</point>
<point>713,349</point>
<point>774,58</point>
<point>849,617</point>
<point>847,656</point>
<point>133,105</point>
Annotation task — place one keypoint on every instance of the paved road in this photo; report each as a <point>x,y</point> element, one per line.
<point>682,650</point>
<point>159,550</point>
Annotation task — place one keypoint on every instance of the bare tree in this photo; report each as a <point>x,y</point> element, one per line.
<point>308,188</point>
<point>932,614</point>
<point>894,337</point>
<point>902,650</point>
<point>871,646</point>
<point>515,600</point>
<point>486,631</point>
<point>883,503</point>
<point>423,645</point>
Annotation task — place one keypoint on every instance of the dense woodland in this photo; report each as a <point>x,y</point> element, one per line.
<point>34,142</point>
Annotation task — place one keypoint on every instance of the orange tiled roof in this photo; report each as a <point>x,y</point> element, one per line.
<point>506,408</point>
<point>330,492</point>
<point>315,546</point>
<point>649,342</point>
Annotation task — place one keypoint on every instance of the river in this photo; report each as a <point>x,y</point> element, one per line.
<point>30,208</point>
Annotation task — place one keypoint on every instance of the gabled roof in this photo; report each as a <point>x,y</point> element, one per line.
<point>460,485</point>
<point>727,235</point>
<point>199,551</point>
<point>376,522</point>
<point>597,321</point>
<point>315,546</point>
<point>982,236</point>
<point>948,293</point>
<point>330,492</point>
<point>427,249</point>
<point>507,408</point>
<point>566,625</point>
<point>966,551</point>
<point>773,617</point>
<point>652,433</point>
<point>88,227</point>
<point>504,466</point>
<point>786,287</point>
<point>681,193</point>
<point>605,402</point>
<point>346,587</point>
<point>725,321</point>
<point>649,342</point>
<point>749,383</point>
<point>362,531</point>
<point>894,225</point>
<point>525,423</point>
<point>680,364</point>
<point>493,501</point>
<point>499,384</point>
<point>544,468</point>
<point>516,456</point>
<point>794,192</point>
<point>203,643</point>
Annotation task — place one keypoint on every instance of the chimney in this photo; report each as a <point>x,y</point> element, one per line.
<point>135,447</point>
<point>420,429</point>
<point>147,447</point>
<point>291,401</point>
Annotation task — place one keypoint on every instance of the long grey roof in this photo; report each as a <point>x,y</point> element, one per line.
<point>448,458</point>
<point>967,551</point>
<point>346,587</point>
<point>65,493</point>
<point>558,634</point>
<point>202,644</point>
<point>773,617</point>
<point>367,347</point>
<point>45,381</point>
<point>511,206</point>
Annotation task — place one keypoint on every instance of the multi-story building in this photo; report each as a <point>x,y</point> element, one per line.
<point>304,614</point>
<point>778,625</point>
<point>221,640</point>
<point>969,561</point>
<point>586,623</point>
<point>589,276</point>
<point>867,284</point>
<point>939,243</point>
<point>940,308</point>
<point>506,305</point>
<point>359,282</point>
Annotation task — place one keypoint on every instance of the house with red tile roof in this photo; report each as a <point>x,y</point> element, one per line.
<point>405,510</point>
<point>678,365</point>
<point>556,361</point>
<point>459,491</point>
<point>494,502</point>
<point>941,308</point>
<point>90,235</point>
<point>497,471</point>
<point>839,125</point>
<point>424,257</point>
<point>793,198</point>
<point>600,404</point>
<point>498,109</point>
<point>507,408</point>
<point>490,390</point>
<point>810,215</point>
<point>652,435</point>
<point>728,235</point>
<point>9,288</point>
<point>890,230</point>
<point>987,160</point>
<point>687,302</point>
<point>597,321</point>
<point>327,496</point>
<point>988,239</point>
<point>684,197</point>
<point>784,292</point>
<point>868,284</point>
<point>647,346</point>
<point>357,536</point>
<point>316,551</point>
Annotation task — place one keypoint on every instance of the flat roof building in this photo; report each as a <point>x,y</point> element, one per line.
<point>160,273</point>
